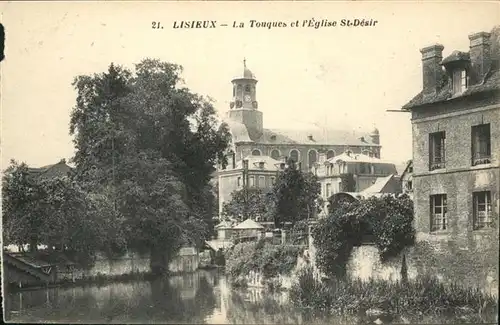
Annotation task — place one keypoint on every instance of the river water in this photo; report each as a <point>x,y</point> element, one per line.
<point>200,297</point>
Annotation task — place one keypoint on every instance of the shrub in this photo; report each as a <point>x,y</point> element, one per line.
<point>387,221</point>
<point>268,259</point>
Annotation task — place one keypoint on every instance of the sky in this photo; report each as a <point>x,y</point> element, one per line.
<point>337,77</point>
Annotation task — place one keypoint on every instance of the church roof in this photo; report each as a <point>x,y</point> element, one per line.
<point>313,136</point>
<point>238,131</point>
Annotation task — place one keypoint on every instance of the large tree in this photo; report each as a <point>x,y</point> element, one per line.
<point>296,195</point>
<point>154,143</point>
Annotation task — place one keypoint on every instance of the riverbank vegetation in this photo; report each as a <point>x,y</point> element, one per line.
<point>262,257</point>
<point>414,299</point>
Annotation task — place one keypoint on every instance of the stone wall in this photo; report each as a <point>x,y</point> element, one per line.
<point>129,263</point>
<point>442,259</point>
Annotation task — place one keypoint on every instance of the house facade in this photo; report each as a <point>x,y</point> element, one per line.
<point>456,156</point>
<point>350,172</point>
<point>251,172</point>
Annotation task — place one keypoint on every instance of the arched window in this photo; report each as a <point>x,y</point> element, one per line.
<point>275,154</point>
<point>312,157</point>
<point>247,88</point>
<point>330,154</point>
<point>256,152</point>
<point>294,155</point>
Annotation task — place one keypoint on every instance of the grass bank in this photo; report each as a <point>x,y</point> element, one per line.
<point>379,298</point>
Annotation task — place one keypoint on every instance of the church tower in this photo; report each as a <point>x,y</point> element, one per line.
<point>244,105</point>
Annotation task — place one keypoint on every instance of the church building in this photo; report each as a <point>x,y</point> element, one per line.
<point>251,141</point>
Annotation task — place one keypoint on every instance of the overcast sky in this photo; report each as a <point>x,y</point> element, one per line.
<point>341,77</point>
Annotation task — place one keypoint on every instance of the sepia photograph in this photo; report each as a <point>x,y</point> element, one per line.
<point>250,162</point>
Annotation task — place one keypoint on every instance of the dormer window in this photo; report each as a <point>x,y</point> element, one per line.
<point>457,64</point>
<point>459,81</point>
<point>261,165</point>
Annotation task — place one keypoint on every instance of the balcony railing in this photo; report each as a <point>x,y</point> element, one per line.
<point>437,164</point>
<point>480,159</point>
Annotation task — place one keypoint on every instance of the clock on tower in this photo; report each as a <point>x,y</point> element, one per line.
<point>247,98</point>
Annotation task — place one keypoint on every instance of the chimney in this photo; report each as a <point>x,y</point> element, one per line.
<point>480,57</point>
<point>432,69</point>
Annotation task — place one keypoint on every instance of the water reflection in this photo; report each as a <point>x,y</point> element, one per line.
<point>201,297</point>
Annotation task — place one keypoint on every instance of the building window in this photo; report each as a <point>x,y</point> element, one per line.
<point>409,186</point>
<point>256,152</point>
<point>328,190</point>
<point>275,154</point>
<point>294,155</point>
<point>251,181</point>
<point>239,181</point>
<point>437,150</point>
<point>481,144</point>
<point>312,157</point>
<point>273,180</point>
<point>262,181</point>
<point>247,88</point>
<point>438,212</point>
<point>482,210</point>
<point>459,81</point>
<point>330,154</point>
<point>364,168</point>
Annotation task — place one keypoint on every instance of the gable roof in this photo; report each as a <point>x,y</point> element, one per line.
<point>248,224</point>
<point>406,170</point>
<point>388,184</point>
<point>60,169</point>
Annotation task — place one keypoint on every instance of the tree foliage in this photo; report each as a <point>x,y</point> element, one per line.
<point>296,196</point>
<point>55,212</point>
<point>152,144</point>
<point>387,221</point>
<point>247,203</point>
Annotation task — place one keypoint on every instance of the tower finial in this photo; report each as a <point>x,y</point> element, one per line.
<point>244,62</point>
